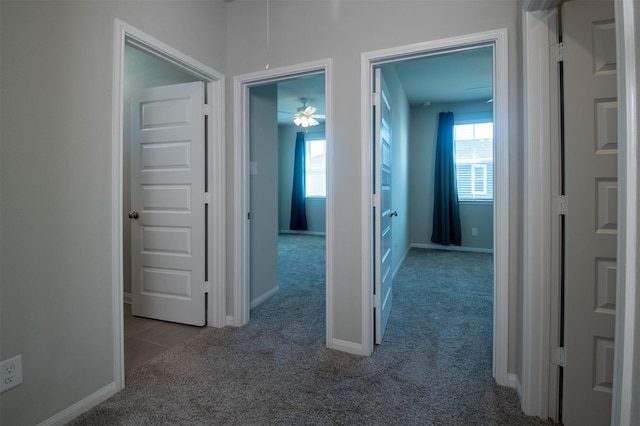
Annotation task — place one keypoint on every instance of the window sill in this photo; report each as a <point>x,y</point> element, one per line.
<point>476,203</point>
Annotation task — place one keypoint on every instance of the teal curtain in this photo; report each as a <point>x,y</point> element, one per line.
<point>446,211</point>
<point>298,221</point>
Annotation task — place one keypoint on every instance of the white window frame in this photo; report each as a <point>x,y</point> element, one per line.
<point>475,118</point>
<point>311,137</point>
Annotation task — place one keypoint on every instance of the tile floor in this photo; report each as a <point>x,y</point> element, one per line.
<point>145,338</point>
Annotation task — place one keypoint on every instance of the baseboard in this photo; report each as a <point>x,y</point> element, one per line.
<point>126,298</point>
<point>513,381</point>
<point>231,321</point>
<point>82,406</point>
<point>344,346</point>
<point>404,256</point>
<point>264,297</point>
<point>289,231</point>
<point>451,248</point>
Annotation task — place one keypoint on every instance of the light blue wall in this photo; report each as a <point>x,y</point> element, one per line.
<point>264,189</point>
<point>316,207</point>
<point>424,122</point>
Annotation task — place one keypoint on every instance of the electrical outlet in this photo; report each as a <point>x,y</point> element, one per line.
<point>474,232</point>
<point>10,373</point>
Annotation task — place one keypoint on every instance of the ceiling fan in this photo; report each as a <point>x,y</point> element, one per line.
<point>306,116</point>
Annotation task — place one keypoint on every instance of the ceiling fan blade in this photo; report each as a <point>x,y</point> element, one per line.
<point>322,116</point>
<point>310,110</point>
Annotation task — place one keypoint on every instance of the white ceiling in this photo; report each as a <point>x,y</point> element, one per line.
<point>461,76</point>
<point>291,91</point>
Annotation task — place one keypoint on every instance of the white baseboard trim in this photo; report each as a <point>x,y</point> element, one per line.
<point>404,256</point>
<point>289,231</point>
<point>264,297</point>
<point>82,406</point>
<point>126,298</point>
<point>231,321</point>
<point>344,346</point>
<point>451,248</point>
<point>513,381</point>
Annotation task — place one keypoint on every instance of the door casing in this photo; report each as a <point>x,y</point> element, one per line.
<point>241,225</point>
<point>369,60</point>
<point>127,34</point>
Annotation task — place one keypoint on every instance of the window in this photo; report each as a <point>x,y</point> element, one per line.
<point>474,161</point>
<point>315,168</point>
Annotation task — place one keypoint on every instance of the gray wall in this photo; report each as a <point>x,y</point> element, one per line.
<point>315,207</point>
<point>140,70</point>
<point>263,128</point>
<point>342,31</point>
<point>424,129</point>
<point>56,306</point>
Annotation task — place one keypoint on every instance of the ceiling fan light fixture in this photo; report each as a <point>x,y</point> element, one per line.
<point>304,117</point>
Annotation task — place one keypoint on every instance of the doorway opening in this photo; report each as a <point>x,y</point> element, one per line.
<point>276,93</point>
<point>496,43</point>
<point>166,65</point>
<point>287,154</point>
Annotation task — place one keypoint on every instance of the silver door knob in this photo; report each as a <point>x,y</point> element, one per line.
<point>394,213</point>
<point>133,215</point>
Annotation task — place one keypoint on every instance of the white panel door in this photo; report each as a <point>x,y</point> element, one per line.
<point>383,277</point>
<point>167,202</point>
<point>591,188</point>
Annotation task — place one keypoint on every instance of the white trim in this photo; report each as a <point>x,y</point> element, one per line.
<point>217,212</point>
<point>514,382</point>
<point>399,264</point>
<point>241,226</point>
<point>451,248</point>
<point>82,406</point>
<point>260,300</point>
<point>537,275</point>
<point>126,34</point>
<point>344,346</point>
<point>117,273</point>
<point>499,39</point>
<point>626,382</point>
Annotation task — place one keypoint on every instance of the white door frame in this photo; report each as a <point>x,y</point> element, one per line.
<point>127,34</point>
<point>502,251</point>
<point>241,225</point>
<point>536,397</point>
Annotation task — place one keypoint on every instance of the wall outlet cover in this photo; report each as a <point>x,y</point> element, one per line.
<point>10,373</point>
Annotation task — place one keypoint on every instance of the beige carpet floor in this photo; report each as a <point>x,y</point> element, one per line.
<point>433,368</point>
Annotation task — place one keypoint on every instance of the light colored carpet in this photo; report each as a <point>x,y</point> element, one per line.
<point>434,366</point>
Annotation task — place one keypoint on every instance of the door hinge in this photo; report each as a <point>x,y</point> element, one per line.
<point>375,200</point>
<point>375,98</point>
<point>207,198</point>
<point>560,205</point>
<point>557,52</point>
<point>205,109</point>
<point>558,356</point>
<point>207,287</point>
<point>248,215</point>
